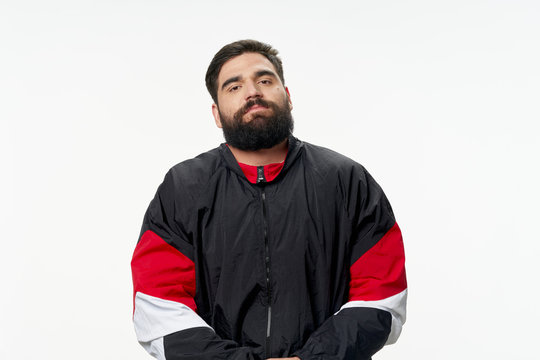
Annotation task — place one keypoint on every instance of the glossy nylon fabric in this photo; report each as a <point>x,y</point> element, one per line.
<point>317,225</point>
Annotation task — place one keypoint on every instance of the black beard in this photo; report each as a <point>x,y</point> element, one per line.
<point>262,132</point>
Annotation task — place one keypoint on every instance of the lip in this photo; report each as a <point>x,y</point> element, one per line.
<point>255,108</point>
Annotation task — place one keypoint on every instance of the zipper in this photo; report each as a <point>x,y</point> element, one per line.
<point>267,267</point>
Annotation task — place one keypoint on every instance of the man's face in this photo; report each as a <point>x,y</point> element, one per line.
<point>254,108</point>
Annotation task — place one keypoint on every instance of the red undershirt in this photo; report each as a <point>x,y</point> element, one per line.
<point>271,171</point>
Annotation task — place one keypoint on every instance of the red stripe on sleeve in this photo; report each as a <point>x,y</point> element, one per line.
<point>162,271</point>
<point>380,272</point>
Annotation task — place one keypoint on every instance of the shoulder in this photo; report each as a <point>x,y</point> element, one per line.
<point>191,176</point>
<point>358,189</point>
<point>201,166</point>
<point>329,162</point>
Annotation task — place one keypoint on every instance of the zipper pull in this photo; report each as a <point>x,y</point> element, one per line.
<point>260,174</point>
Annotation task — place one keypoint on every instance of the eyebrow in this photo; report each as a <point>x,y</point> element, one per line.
<point>258,74</point>
<point>265,73</point>
<point>230,80</point>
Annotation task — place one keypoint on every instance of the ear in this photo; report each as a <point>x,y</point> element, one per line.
<point>289,97</point>
<point>215,112</point>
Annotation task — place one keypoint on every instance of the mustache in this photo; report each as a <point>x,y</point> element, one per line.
<point>257,101</point>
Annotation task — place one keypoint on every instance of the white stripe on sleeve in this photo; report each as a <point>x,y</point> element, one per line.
<point>395,305</point>
<point>155,348</point>
<point>154,318</point>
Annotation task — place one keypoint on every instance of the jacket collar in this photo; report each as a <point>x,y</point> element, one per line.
<point>294,151</point>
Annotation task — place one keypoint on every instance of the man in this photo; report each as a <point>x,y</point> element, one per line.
<point>267,246</point>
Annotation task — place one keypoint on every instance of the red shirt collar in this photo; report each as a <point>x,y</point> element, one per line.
<point>271,171</point>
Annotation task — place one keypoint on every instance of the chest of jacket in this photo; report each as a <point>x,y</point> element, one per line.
<point>270,258</point>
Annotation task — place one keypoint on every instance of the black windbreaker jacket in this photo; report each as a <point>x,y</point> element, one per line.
<point>310,264</point>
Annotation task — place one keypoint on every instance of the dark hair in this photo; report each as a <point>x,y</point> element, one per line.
<point>235,49</point>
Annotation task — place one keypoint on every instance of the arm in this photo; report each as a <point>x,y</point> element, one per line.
<point>165,313</point>
<point>375,312</point>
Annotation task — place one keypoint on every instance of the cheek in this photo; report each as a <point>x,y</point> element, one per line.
<point>280,93</point>
<point>232,99</point>
<point>226,105</point>
<point>280,96</point>
<point>229,109</point>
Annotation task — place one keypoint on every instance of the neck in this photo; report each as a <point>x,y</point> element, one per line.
<point>262,157</point>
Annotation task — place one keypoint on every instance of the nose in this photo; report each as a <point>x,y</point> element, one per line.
<point>252,90</point>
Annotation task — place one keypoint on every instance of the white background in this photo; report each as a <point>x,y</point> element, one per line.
<point>438,99</point>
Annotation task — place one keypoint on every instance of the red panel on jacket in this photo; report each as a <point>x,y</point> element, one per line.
<point>380,272</point>
<point>162,271</point>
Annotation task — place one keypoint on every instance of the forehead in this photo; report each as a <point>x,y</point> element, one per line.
<point>244,65</point>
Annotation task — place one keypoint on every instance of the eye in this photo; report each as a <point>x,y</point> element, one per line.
<point>266,81</point>
<point>234,88</point>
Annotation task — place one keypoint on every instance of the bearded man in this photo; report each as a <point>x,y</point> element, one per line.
<point>267,246</point>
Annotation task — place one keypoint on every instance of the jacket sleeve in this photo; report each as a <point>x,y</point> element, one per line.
<point>164,283</point>
<point>375,311</point>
